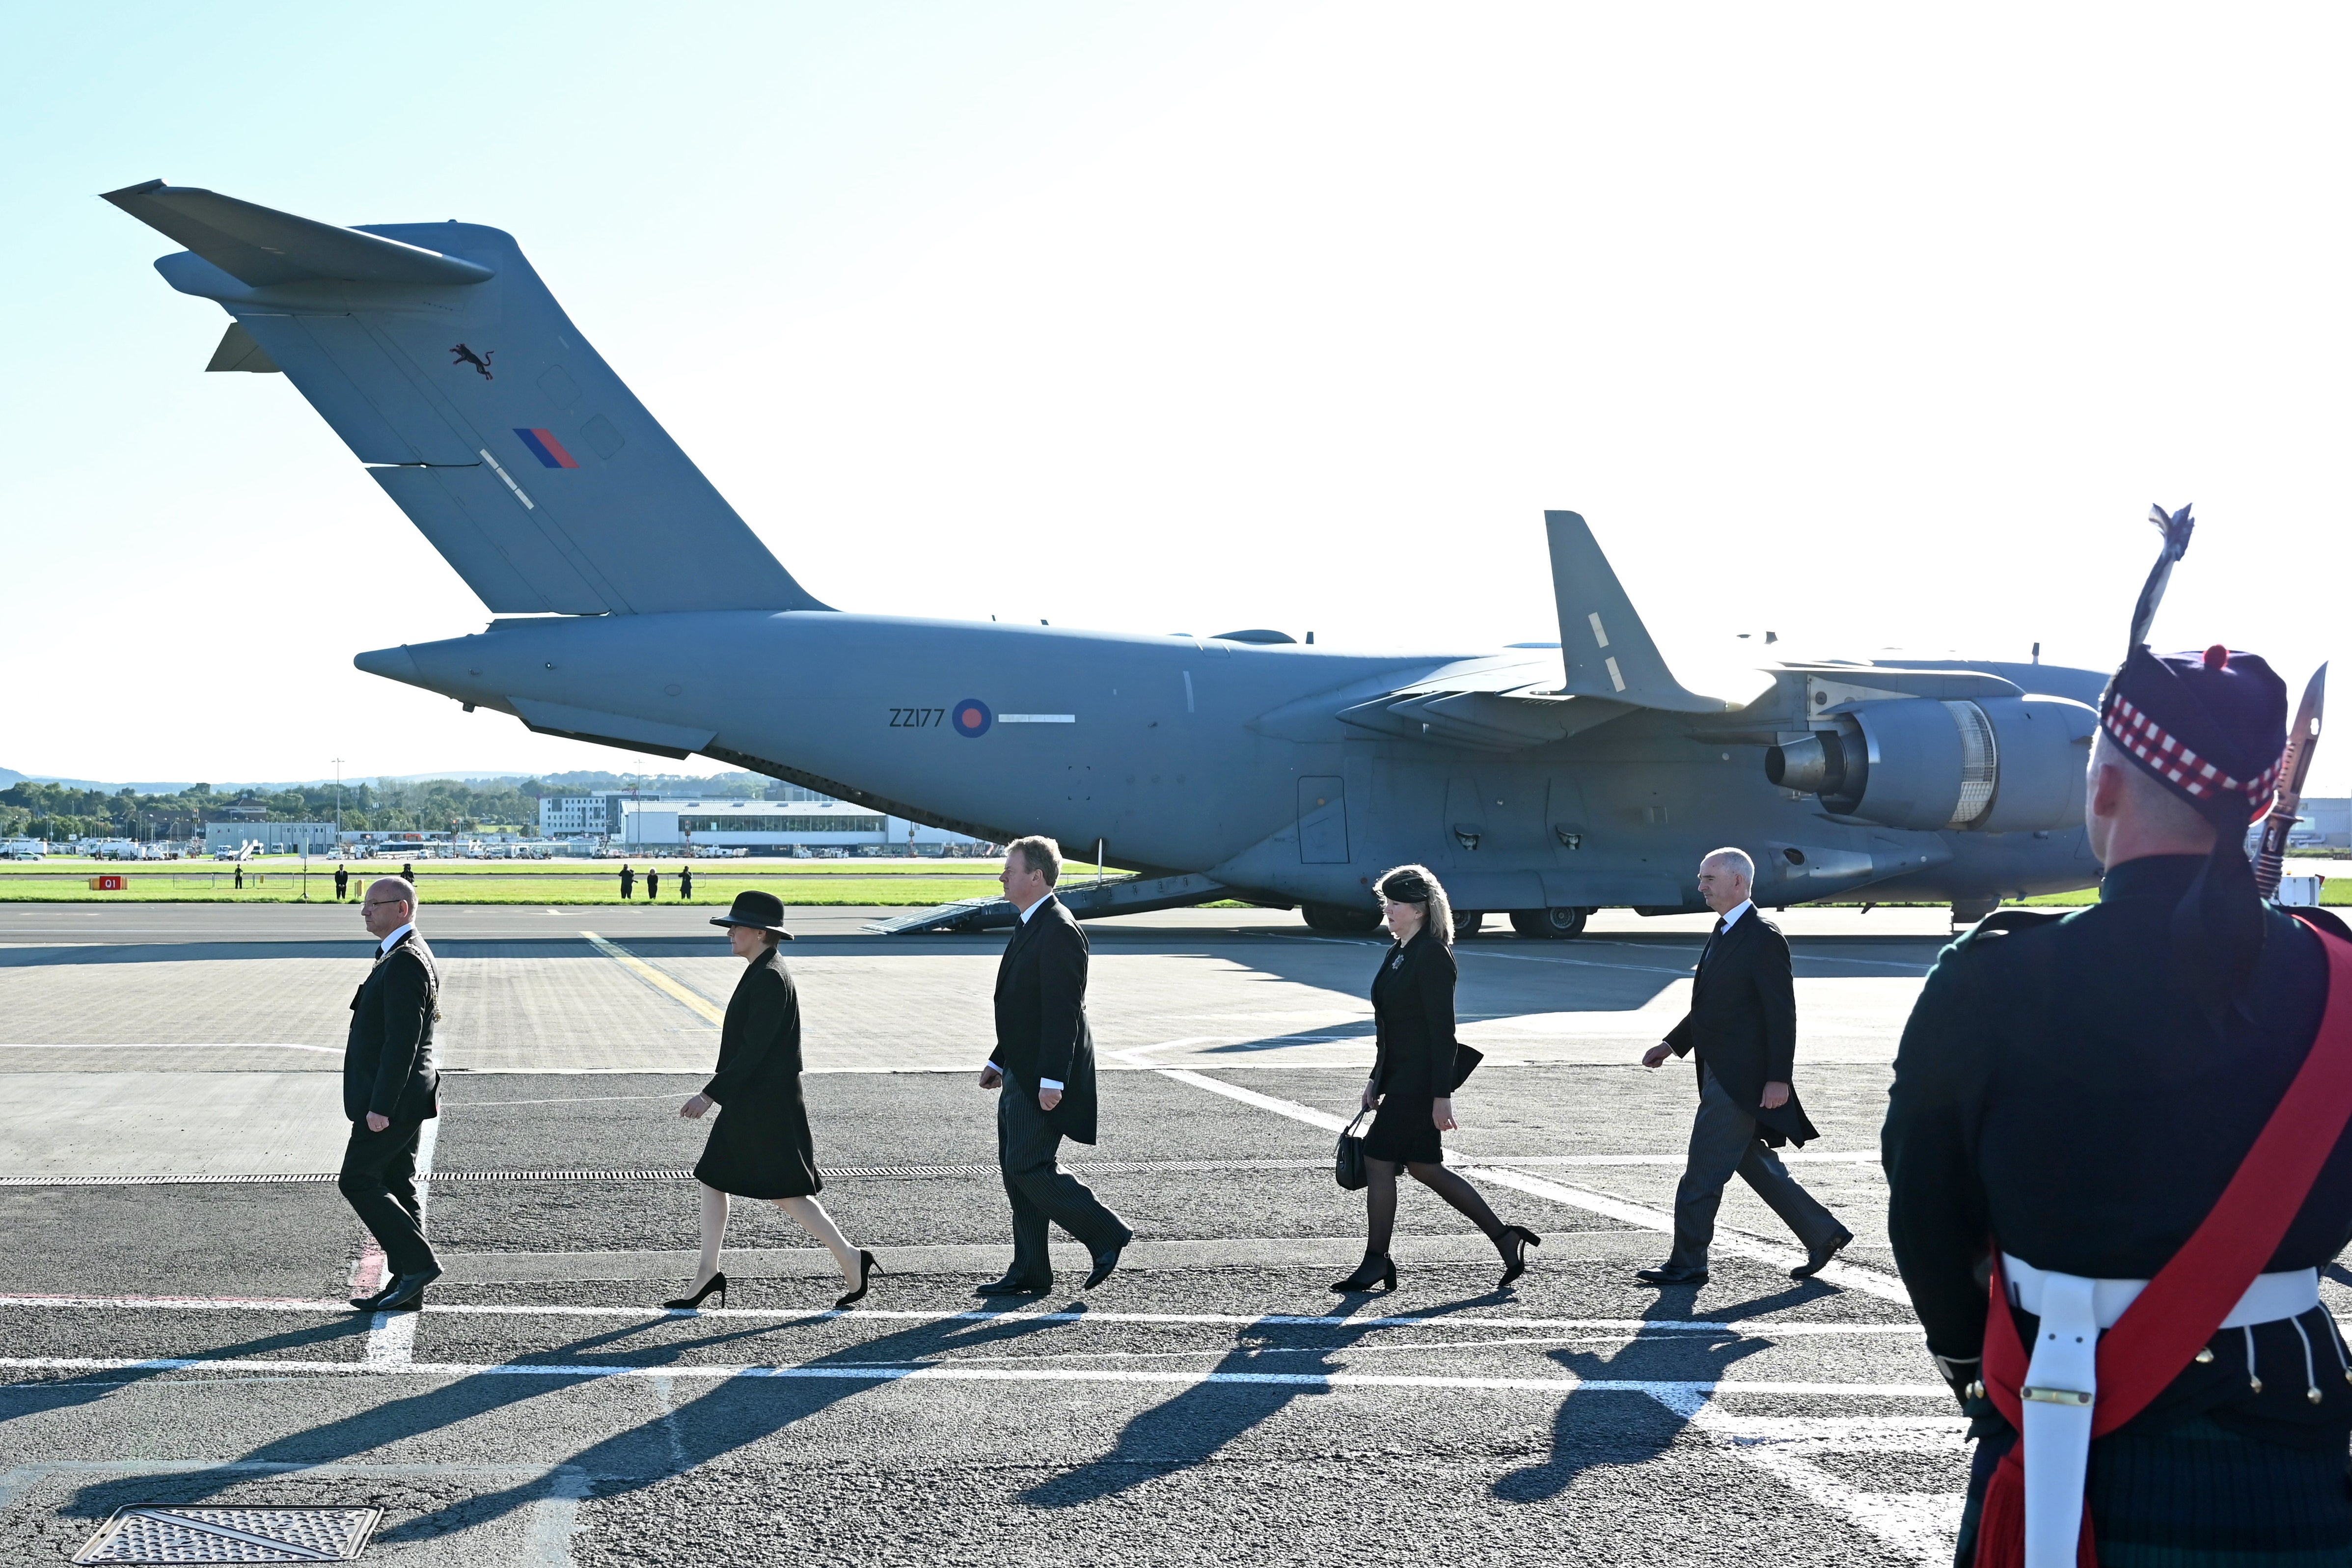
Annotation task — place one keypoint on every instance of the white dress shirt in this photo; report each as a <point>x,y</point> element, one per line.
<point>1052,1083</point>
<point>385,945</point>
<point>1731,916</point>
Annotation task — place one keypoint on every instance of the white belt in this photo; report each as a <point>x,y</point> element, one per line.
<point>2062,1382</point>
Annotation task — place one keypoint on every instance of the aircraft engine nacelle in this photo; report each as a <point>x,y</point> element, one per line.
<point>2002,764</point>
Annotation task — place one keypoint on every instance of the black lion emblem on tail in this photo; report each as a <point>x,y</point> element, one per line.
<point>480,361</point>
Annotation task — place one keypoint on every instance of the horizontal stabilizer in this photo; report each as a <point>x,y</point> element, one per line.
<point>1606,649</point>
<point>259,247</point>
<point>238,350</point>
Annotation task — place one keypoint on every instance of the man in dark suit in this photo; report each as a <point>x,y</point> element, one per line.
<point>1742,1025</point>
<point>392,1087</point>
<point>1044,1064</point>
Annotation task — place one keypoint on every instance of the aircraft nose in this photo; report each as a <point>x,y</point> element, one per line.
<point>392,663</point>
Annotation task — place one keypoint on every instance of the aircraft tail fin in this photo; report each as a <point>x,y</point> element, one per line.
<point>1607,650</point>
<point>443,363</point>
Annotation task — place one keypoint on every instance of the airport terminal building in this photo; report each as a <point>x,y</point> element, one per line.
<point>275,837</point>
<point>676,826</point>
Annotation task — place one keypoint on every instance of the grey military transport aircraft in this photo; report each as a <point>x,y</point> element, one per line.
<point>1541,781</point>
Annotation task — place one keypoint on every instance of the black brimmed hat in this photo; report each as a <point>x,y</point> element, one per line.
<point>761,911</point>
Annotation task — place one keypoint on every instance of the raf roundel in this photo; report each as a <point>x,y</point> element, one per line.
<point>970,717</point>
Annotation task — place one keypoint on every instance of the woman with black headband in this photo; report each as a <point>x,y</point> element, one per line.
<point>1414,1077</point>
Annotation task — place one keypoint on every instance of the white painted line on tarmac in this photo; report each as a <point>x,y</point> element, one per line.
<point>167,1046</point>
<point>1854,1277</point>
<point>1755,1327</point>
<point>1921,1526</point>
<point>694,1001</point>
<point>901,1371</point>
<point>392,1336</point>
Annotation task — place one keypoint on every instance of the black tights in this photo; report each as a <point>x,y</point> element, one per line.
<point>1380,1200</point>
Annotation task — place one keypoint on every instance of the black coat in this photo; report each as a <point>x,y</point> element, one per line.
<point>2058,1089</point>
<point>760,1146</point>
<point>388,1064</point>
<point>1041,1014</point>
<point>1412,1015</point>
<point>1743,1023</point>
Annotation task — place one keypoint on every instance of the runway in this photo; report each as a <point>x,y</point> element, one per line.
<point>173,1262</point>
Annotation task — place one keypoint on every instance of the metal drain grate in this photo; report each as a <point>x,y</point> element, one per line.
<point>174,1533</point>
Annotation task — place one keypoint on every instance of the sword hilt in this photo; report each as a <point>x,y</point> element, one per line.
<point>2270,862</point>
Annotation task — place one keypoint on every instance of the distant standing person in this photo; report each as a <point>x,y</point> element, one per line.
<point>1413,1079</point>
<point>392,1087</point>
<point>1742,1026</point>
<point>408,872</point>
<point>760,1146</point>
<point>628,882</point>
<point>653,883</point>
<point>685,883</point>
<point>240,883</point>
<point>343,882</point>
<point>1045,1066</point>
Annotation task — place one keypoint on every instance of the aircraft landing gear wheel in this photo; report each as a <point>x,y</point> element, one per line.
<point>1466,922</point>
<point>1556,924</point>
<point>1340,917</point>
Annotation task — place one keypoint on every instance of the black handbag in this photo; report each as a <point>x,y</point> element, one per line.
<point>1348,1166</point>
<point>1466,1062</point>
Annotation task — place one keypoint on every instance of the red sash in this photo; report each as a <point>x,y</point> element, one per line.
<point>2183,1306</point>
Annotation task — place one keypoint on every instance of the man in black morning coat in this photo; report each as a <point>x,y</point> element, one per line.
<point>392,1087</point>
<point>1045,1062</point>
<point>1742,1026</point>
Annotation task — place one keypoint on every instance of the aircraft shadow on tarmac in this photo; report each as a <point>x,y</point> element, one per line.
<point>225,952</point>
<point>734,1412</point>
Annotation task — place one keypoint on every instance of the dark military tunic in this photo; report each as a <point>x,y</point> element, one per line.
<point>2058,1089</point>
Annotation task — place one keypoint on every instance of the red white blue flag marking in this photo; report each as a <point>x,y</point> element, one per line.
<point>547,448</point>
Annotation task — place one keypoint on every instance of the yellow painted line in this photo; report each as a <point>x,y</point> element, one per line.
<point>656,978</point>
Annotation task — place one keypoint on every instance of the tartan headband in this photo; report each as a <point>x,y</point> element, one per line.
<point>2175,764</point>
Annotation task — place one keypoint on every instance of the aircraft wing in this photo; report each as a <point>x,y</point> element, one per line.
<point>1607,667</point>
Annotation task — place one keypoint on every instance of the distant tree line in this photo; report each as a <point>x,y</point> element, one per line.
<point>59,813</point>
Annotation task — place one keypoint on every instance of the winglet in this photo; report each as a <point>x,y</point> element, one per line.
<point>259,247</point>
<point>1606,649</point>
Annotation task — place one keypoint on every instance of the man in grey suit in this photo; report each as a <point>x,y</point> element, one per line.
<point>1044,1067</point>
<point>1742,1027</point>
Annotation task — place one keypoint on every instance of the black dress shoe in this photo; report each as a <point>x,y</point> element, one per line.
<point>1009,1286</point>
<point>404,1294</point>
<point>1671,1276</point>
<point>1818,1257</point>
<point>1105,1262</point>
<point>1377,1268</point>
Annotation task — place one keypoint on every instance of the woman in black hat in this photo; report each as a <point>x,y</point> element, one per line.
<point>759,1147</point>
<point>1414,1078</point>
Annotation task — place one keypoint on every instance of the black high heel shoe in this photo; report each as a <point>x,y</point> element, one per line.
<point>1381,1270</point>
<point>1514,1261</point>
<point>687,1304</point>
<point>867,1268</point>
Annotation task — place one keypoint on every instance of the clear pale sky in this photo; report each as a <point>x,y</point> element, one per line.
<point>1874,326</point>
